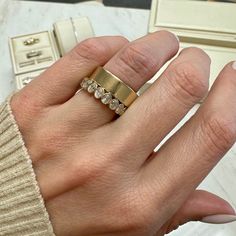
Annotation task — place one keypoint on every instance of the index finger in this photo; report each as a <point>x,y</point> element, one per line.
<point>60,82</point>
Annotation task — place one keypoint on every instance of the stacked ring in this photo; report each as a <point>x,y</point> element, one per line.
<point>110,89</point>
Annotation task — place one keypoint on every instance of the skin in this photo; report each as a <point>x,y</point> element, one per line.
<point>98,174</point>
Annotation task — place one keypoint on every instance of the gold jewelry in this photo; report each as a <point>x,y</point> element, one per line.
<point>114,85</point>
<point>110,89</point>
<point>33,54</point>
<point>31,41</point>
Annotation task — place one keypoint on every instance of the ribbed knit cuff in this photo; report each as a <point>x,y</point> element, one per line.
<point>22,209</point>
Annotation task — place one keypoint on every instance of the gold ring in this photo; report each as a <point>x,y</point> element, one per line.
<point>113,84</point>
<point>110,89</point>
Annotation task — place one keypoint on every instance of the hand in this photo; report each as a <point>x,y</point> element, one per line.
<point>99,175</point>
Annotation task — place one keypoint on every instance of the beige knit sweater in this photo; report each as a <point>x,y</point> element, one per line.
<point>22,209</point>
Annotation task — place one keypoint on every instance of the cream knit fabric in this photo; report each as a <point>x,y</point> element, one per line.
<point>22,209</point>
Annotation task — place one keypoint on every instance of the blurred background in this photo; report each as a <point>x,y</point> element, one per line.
<point>144,4</point>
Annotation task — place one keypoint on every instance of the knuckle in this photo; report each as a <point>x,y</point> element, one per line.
<point>18,103</point>
<point>122,38</point>
<point>168,34</point>
<point>226,76</point>
<point>24,108</point>
<point>90,50</point>
<point>84,172</point>
<point>87,120</point>
<point>91,167</point>
<point>220,133</point>
<point>122,145</point>
<point>136,208</point>
<point>189,83</point>
<point>23,100</point>
<point>49,141</point>
<point>198,51</point>
<point>138,59</point>
<point>137,215</point>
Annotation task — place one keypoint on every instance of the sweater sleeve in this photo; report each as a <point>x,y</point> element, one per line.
<point>22,209</point>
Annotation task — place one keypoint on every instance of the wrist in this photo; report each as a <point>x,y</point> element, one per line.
<point>23,206</point>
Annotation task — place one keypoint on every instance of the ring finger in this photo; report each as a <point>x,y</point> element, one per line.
<point>134,64</point>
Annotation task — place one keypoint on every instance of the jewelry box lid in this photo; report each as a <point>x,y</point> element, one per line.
<point>71,32</point>
<point>195,19</point>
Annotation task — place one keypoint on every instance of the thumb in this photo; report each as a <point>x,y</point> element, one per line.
<point>201,206</point>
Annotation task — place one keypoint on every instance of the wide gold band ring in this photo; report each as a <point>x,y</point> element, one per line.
<point>114,85</point>
<point>110,90</point>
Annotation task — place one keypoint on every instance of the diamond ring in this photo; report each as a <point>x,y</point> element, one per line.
<point>110,90</point>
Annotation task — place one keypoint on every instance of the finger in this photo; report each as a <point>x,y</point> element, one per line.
<point>184,161</point>
<point>199,205</point>
<point>85,112</point>
<point>134,64</point>
<point>165,103</point>
<point>61,81</point>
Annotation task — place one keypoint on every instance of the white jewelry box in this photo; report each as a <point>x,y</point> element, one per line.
<point>31,54</point>
<point>210,25</point>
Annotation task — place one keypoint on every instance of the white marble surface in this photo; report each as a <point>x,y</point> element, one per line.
<point>18,17</point>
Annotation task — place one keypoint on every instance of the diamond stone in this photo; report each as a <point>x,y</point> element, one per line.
<point>92,87</point>
<point>114,104</point>
<point>85,83</point>
<point>106,98</point>
<point>27,80</point>
<point>120,109</point>
<point>99,92</point>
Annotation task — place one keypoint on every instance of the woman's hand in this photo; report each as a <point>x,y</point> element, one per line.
<point>99,175</point>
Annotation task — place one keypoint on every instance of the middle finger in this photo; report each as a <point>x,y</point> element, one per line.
<point>182,85</point>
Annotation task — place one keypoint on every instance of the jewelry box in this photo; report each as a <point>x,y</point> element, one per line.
<point>31,54</point>
<point>210,25</point>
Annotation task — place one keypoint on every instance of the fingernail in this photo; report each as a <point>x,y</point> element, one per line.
<point>234,65</point>
<point>219,219</point>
